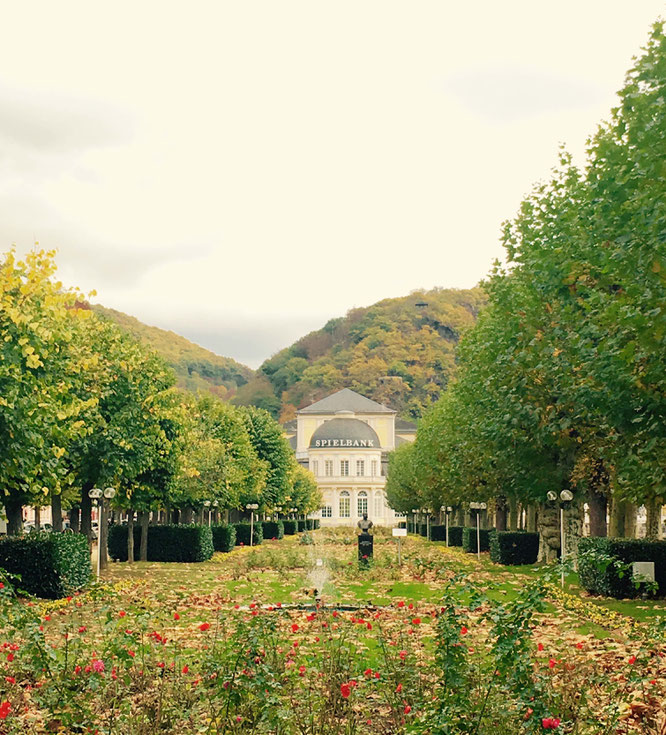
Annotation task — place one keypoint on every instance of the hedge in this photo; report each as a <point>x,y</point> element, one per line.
<point>302,525</point>
<point>422,529</point>
<point>469,539</point>
<point>514,547</point>
<point>290,527</point>
<point>224,537</point>
<point>182,543</point>
<point>273,529</point>
<point>243,534</point>
<point>608,582</point>
<point>51,565</point>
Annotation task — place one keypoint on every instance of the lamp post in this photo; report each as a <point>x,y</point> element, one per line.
<point>415,518</point>
<point>252,507</point>
<point>427,512</point>
<point>207,505</point>
<point>215,506</point>
<point>476,508</point>
<point>98,496</point>
<point>566,496</point>
<point>447,509</point>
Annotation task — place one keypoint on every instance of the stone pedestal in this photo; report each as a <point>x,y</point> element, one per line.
<point>365,547</point>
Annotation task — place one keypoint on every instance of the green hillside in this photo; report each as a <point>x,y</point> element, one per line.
<point>400,352</point>
<point>196,368</point>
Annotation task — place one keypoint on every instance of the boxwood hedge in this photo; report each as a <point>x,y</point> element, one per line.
<point>514,547</point>
<point>600,577</point>
<point>184,543</point>
<point>290,527</point>
<point>302,525</point>
<point>469,539</point>
<point>243,534</point>
<point>224,537</point>
<point>50,565</point>
<point>273,529</point>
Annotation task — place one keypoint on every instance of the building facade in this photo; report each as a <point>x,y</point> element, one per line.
<point>344,440</point>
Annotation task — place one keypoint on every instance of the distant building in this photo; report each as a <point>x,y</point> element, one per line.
<point>344,440</point>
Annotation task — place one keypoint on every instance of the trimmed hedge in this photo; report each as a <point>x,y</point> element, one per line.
<point>182,543</point>
<point>290,527</point>
<point>51,565</point>
<point>438,533</point>
<point>243,534</point>
<point>469,539</point>
<point>302,525</point>
<point>224,537</point>
<point>514,547</point>
<point>422,529</point>
<point>273,529</point>
<point>456,535</point>
<point>608,582</point>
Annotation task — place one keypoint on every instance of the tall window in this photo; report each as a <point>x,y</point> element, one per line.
<point>344,467</point>
<point>379,506</point>
<point>362,502</point>
<point>374,468</point>
<point>360,467</point>
<point>345,504</point>
<point>328,468</point>
<point>315,467</point>
<point>327,512</point>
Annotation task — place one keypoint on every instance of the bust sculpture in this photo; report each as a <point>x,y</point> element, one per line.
<point>364,524</point>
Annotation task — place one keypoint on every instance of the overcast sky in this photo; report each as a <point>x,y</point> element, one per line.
<point>240,172</point>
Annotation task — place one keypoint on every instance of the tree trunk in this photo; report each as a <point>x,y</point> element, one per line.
<point>532,520</point>
<point>56,513</point>
<point>38,518</point>
<point>630,520</point>
<point>86,511</point>
<point>653,521</point>
<point>74,515</point>
<point>186,515</point>
<point>130,537</point>
<point>597,508</point>
<point>176,516</point>
<point>617,512</point>
<point>14,511</point>
<point>143,548</point>
<point>513,514</point>
<point>500,513</point>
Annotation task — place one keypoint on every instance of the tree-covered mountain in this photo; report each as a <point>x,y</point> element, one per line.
<point>400,352</point>
<point>196,367</point>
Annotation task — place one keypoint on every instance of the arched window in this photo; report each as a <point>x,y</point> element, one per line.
<point>362,502</point>
<point>345,504</point>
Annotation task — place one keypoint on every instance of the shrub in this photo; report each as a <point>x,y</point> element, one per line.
<point>183,543</point>
<point>273,529</point>
<point>469,539</point>
<point>600,576</point>
<point>422,529</point>
<point>290,527</point>
<point>51,565</point>
<point>316,524</point>
<point>302,524</point>
<point>438,533</point>
<point>514,547</point>
<point>456,535</point>
<point>243,534</point>
<point>224,537</point>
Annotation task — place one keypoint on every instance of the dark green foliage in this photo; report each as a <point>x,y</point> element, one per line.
<point>423,529</point>
<point>455,535</point>
<point>165,543</point>
<point>273,529</point>
<point>290,527</point>
<point>509,547</point>
<point>302,525</point>
<point>243,534</point>
<point>224,537</point>
<point>438,533</point>
<point>469,539</point>
<point>51,565</point>
<point>316,524</point>
<point>599,576</point>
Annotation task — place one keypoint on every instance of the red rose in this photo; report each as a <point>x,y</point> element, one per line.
<point>345,690</point>
<point>204,626</point>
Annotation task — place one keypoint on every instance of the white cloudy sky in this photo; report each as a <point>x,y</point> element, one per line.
<point>242,171</point>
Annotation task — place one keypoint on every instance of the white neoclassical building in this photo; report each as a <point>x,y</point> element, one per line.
<point>344,439</point>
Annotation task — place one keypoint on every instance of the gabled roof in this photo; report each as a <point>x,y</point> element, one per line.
<point>405,427</point>
<point>346,400</point>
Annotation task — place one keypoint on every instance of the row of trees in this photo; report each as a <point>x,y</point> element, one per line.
<point>562,381</point>
<point>84,404</point>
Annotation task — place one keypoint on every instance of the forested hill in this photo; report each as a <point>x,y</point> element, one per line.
<point>196,367</point>
<point>400,352</point>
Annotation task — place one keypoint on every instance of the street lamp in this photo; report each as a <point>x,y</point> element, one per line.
<point>415,519</point>
<point>427,512</point>
<point>206,504</point>
<point>447,509</point>
<point>252,507</point>
<point>566,496</point>
<point>476,508</point>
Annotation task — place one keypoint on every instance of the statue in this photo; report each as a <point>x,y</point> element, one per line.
<point>365,545</point>
<point>364,524</point>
